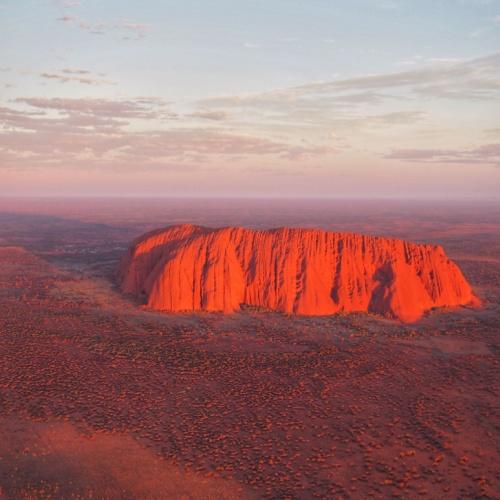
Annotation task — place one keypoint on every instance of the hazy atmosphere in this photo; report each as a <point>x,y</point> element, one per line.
<point>379,98</point>
<point>249,249</point>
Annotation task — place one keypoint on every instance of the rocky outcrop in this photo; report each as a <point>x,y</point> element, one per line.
<point>295,271</point>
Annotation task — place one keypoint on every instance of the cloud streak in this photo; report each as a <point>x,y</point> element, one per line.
<point>463,80</point>
<point>126,29</point>
<point>217,116</point>
<point>141,108</point>
<point>96,133</point>
<point>358,110</point>
<point>78,76</point>
<point>486,154</point>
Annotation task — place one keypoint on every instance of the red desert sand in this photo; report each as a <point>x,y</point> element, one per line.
<point>291,270</point>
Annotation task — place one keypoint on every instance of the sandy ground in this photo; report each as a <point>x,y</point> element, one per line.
<point>55,459</point>
<point>102,399</point>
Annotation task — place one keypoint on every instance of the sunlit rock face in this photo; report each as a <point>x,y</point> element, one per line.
<point>295,271</point>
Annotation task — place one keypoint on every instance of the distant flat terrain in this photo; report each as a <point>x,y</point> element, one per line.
<point>100,397</point>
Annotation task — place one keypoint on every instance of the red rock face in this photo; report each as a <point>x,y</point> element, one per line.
<point>295,271</point>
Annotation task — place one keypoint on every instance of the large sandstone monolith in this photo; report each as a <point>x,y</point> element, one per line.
<point>299,271</point>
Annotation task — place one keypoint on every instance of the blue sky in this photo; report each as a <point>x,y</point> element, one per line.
<point>300,98</point>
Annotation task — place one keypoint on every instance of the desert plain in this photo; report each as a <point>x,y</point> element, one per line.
<point>103,398</point>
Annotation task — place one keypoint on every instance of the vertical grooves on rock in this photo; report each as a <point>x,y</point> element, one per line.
<point>304,271</point>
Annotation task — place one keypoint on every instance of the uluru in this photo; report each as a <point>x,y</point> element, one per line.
<point>291,270</point>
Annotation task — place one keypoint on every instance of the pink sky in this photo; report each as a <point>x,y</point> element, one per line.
<point>274,100</point>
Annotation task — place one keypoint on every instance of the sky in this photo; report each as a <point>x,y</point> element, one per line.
<point>250,98</point>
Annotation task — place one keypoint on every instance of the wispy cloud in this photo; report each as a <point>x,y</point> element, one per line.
<point>486,154</point>
<point>96,133</point>
<point>133,30</point>
<point>362,107</point>
<point>70,71</point>
<point>476,78</point>
<point>125,28</point>
<point>214,115</point>
<point>66,18</point>
<point>142,107</point>
<point>463,80</point>
<point>421,60</point>
<point>79,76</point>
<point>492,132</point>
